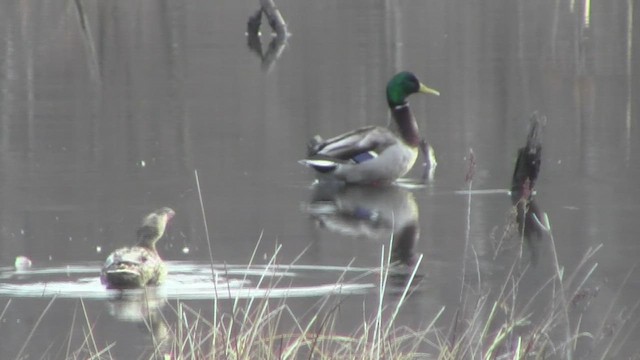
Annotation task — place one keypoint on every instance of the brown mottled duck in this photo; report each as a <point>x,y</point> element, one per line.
<point>139,265</point>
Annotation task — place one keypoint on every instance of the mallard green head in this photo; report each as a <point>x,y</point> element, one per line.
<point>402,85</point>
<point>153,226</point>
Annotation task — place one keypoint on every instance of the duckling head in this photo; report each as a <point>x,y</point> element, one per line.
<point>153,226</point>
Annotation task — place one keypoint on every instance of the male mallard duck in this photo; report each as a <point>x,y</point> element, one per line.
<point>139,265</point>
<point>374,154</point>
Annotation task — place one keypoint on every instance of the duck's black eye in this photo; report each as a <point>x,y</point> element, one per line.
<point>414,84</point>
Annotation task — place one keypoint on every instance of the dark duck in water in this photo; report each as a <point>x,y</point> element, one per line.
<point>373,154</point>
<point>139,265</point>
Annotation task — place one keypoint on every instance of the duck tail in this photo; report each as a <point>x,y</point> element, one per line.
<point>314,145</point>
<point>320,164</point>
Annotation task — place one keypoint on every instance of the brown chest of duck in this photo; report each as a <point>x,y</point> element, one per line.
<point>139,265</point>
<point>373,154</point>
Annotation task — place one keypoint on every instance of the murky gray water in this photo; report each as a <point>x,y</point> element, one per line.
<point>107,108</point>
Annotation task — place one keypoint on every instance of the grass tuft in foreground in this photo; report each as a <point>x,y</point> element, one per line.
<point>490,322</point>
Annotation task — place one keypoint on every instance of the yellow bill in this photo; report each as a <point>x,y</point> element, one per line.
<point>427,90</point>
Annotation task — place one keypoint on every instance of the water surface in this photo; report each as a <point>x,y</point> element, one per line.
<point>107,108</point>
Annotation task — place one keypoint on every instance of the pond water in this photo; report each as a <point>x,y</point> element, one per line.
<point>107,109</point>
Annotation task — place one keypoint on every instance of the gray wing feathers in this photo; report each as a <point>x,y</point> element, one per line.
<point>373,138</point>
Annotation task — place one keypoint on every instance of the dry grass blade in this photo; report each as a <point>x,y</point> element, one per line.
<point>103,351</point>
<point>35,326</point>
<point>73,323</point>
<point>403,296</point>
<point>6,306</point>
<point>88,336</point>
<point>206,229</point>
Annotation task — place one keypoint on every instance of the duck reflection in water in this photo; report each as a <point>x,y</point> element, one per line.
<point>525,219</point>
<point>143,307</point>
<point>371,212</point>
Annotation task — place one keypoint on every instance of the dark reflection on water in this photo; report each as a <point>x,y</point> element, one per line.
<point>106,108</point>
<point>144,309</point>
<point>375,214</point>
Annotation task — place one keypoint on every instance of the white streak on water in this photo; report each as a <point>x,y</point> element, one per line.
<point>186,280</point>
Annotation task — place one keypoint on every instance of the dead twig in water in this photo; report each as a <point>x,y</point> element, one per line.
<point>469,180</point>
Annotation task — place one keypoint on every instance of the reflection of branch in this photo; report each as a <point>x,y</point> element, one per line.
<point>92,58</point>
<point>253,25</point>
<point>277,24</point>
<point>276,21</point>
<point>253,33</point>
<point>268,58</point>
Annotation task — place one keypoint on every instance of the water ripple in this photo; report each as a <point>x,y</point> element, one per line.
<point>188,280</point>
